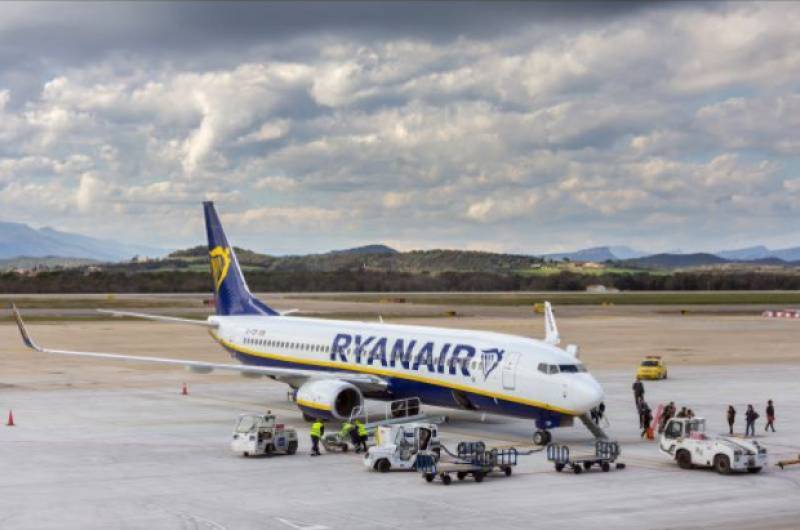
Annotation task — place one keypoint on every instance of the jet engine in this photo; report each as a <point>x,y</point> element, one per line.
<point>328,398</point>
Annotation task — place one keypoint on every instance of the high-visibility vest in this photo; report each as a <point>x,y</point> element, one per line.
<point>316,429</point>
<point>346,428</point>
<point>362,430</point>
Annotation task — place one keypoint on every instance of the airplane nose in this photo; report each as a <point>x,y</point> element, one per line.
<point>587,394</point>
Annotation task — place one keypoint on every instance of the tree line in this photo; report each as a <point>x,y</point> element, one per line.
<point>78,281</point>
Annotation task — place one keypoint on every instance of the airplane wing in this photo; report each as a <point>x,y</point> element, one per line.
<point>158,318</point>
<point>365,382</point>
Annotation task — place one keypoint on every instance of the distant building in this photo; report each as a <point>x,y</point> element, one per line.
<point>600,289</point>
<point>593,265</point>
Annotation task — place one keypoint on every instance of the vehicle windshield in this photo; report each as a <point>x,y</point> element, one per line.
<point>247,423</point>
<point>696,426</point>
<point>649,363</point>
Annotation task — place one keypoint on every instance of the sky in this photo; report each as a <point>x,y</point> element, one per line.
<point>522,127</point>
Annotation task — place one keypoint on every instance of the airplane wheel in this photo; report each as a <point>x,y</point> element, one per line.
<point>541,438</point>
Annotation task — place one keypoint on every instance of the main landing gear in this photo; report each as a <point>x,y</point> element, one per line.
<point>542,437</point>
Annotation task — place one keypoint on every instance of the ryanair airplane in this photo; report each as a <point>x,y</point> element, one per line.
<point>334,365</point>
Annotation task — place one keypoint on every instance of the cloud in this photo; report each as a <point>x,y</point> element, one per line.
<point>438,130</point>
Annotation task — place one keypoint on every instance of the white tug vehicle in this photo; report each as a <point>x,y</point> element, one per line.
<point>397,446</point>
<point>685,440</point>
<point>259,434</point>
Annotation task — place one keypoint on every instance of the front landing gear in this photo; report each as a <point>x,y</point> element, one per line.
<point>542,437</point>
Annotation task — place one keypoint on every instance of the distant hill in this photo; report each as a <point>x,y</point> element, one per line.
<point>597,254</point>
<point>24,262</point>
<point>17,239</point>
<point>760,252</point>
<point>367,249</point>
<point>384,258</point>
<point>674,261</point>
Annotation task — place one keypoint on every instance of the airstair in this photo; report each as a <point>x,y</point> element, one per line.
<point>595,429</point>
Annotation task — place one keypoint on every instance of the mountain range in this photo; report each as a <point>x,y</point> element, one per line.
<point>622,253</point>
<point>17,240</point>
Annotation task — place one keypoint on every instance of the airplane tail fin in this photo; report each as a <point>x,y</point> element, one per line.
<point>232,295</point>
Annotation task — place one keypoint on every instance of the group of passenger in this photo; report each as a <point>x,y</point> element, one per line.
<point>750,417</point>
<point>670,411</point>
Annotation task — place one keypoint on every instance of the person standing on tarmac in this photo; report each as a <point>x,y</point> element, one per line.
<point>770,416</point>
<point>362,436</point>
<point>345,431</point>
<point>750,418</point>
<point>638,392</point>
<point>646,418</point>
<point>731,418</point>
<point>317,430</point>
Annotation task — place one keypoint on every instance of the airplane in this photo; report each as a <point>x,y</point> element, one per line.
<point>333,366</point>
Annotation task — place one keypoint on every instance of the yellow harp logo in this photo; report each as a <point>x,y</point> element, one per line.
<point>220,263</point>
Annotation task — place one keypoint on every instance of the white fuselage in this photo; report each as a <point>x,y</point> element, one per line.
<point>478,370</point>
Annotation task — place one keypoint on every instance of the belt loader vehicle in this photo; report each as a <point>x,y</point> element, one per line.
<point>685,440</point>
<point>259,434</point>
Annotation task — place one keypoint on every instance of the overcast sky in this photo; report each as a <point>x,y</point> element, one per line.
<point>516,127</point>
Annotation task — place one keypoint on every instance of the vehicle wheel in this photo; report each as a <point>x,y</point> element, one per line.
<point>577,470</point>
<point>587,466</point>
<point>559,467</point>
<point>754,469</point>
<point>605,466</point>
<point>684,459</point>
<point>722,464</point>
<point>291,448</point>
<point>268,449</point>
<point>428,477</point>
<point>541,438</point>
<point>446,480</point>
<point>478,476</point>
<point>245,454</point>
<point>383,466</point>
<point>345,448</point>
<point>665,375</point>
<point>461,475</point>
<point>508,471</point>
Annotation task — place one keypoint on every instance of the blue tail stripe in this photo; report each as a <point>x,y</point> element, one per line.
<point>232,294</point>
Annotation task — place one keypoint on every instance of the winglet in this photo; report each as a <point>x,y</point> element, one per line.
<point>550,328</point>
<point>26,338</point>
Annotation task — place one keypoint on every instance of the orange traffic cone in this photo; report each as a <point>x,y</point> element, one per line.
<point>184,390</point>
<point>10,422</point>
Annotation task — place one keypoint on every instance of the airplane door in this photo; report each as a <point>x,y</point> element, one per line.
<point>510,371</point>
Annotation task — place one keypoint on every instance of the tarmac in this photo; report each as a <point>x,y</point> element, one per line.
<point>118,446</point>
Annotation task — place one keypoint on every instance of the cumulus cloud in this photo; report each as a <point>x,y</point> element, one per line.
<point>443,133</point>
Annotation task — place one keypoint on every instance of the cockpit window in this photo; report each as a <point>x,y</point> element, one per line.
<point>571,368</point>
<point>553,369</point>
<point>543,368</point>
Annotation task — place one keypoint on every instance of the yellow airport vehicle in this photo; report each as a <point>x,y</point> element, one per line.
<point>652,367</point>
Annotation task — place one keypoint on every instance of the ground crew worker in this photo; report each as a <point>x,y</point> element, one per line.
<point>682,413</point>
<point>317,430</point>
<point>345,431</point>
<point>750,418</point>
<point>770,416</point>
<point>362,436</point>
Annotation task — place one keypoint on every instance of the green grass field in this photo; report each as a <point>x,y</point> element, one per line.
<point>779,298</point>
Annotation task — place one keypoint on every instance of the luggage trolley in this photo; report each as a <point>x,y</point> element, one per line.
<point>472,459</point>
<point>605,454</point>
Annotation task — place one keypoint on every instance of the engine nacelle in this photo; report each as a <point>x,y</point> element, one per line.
<point>329,398</point>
